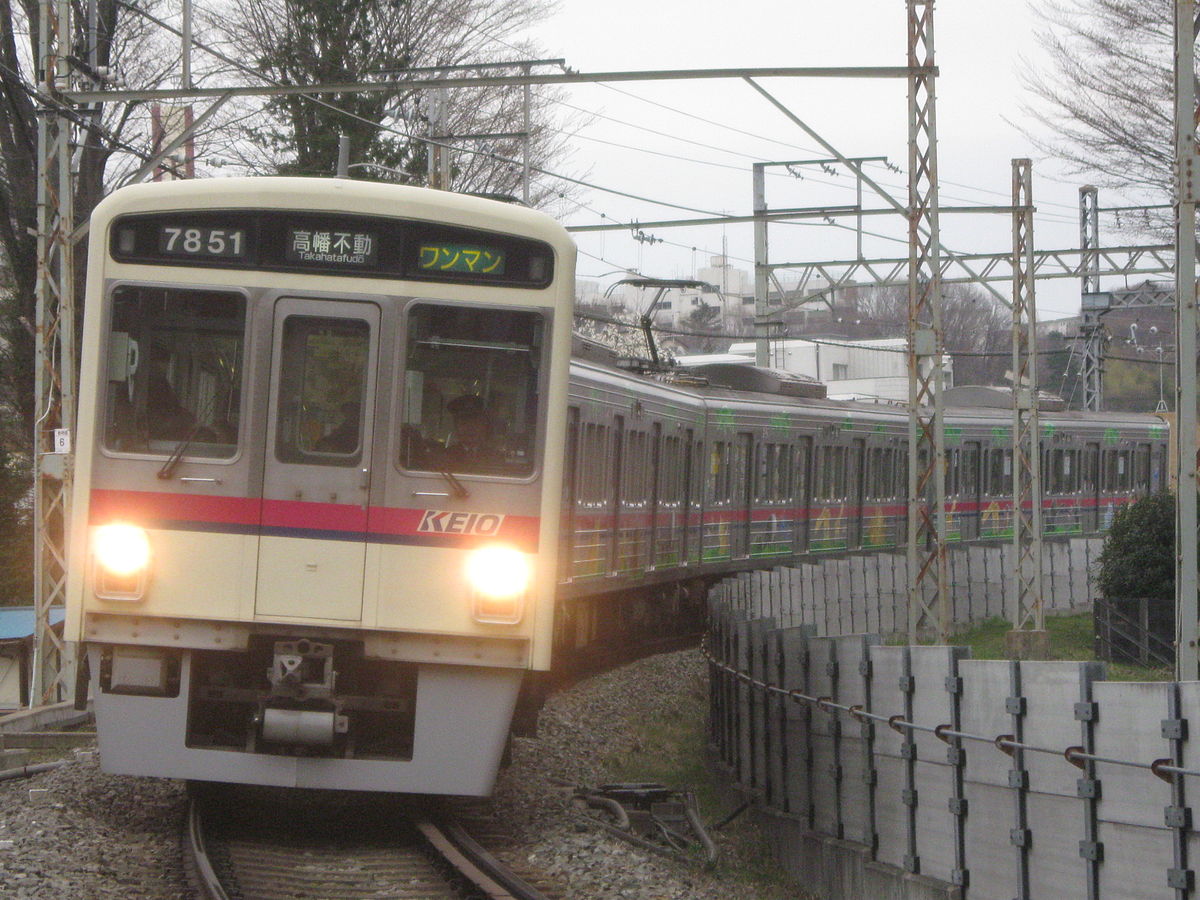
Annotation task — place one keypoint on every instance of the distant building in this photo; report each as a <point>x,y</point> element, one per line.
<point>873,370</point>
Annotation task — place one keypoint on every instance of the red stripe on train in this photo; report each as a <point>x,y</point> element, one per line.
<point>193,513</point>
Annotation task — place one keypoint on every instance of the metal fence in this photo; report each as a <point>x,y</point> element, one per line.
<point>905,772</point>
<point>1140,631</point>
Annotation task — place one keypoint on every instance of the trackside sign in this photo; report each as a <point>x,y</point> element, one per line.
<point>440,521</point>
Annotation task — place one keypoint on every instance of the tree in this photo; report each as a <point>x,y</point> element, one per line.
<point>618,330</point>
<point>972,323</point>
<point>1107,94</point>
<point>351,41</point>
<point>1138,559</point>
<point>125,42</point>
<point>107,142</point>
<point>16,529</point>
<point>702,321</point>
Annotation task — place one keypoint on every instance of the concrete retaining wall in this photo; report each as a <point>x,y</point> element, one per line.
<point>910,772</point>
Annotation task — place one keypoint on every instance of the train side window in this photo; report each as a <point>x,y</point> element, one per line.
<point>823,474</point>
<point>174,371</point>
<point>1001,472</point>
<point>785,479</point>
<point>1141,472</point>
<point>594,455</point>
<point>671,479</point>
<point>803,458</point>
<point>953,459</point>
<point>969,471</point>
<point>1124,470</point>
<point>637,469</point>
<point>471,389</point>
<point>763,472</point>
<point>1091,469</point>
<point>1158,475</point>
<point>719,472</point>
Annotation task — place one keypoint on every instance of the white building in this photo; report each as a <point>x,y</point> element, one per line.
<point>853,370</point>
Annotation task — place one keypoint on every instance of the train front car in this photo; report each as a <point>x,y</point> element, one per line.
<point>316,495</point>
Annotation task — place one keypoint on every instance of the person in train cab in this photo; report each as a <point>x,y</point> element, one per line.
<point>343,438</point>
<point>472,444</point>
<point>166,418</point>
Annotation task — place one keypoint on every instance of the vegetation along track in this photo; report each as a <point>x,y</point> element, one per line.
<point>258,844</point>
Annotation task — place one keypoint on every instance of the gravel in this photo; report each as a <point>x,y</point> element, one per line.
<point>580,730</point>
<point>80,834</point>
<point>76,832</point>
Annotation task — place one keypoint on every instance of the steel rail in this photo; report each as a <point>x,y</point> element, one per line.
<point>475,863</point>
<point>197,854</point>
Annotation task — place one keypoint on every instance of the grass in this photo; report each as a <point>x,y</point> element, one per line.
<point>1071,638</point>
<point>670,750</point>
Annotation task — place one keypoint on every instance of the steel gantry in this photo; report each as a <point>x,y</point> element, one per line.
<point>1028,637</point>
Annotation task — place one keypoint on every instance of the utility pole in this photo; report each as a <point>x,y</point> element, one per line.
<point>439,153</point>
<point>1092,304</point>
<point>1187,174</point>
<point>54,351</point>
<point>927,607</point>
<point>1028,638</point>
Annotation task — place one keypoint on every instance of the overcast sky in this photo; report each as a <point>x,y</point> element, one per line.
<point>651,138</point>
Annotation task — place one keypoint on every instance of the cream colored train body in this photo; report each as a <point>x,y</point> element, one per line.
<point>318,474</point>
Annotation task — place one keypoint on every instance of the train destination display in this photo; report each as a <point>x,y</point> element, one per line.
<point>334,242</point>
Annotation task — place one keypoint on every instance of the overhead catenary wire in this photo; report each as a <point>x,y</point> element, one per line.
<point>829,342</point>
<point>547,173</point>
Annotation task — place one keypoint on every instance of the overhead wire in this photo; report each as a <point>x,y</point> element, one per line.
<point>408,135</point>
<point>547,173</point>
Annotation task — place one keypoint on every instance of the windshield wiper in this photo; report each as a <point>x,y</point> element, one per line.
<point>456,486</point>
<point>177,454</point>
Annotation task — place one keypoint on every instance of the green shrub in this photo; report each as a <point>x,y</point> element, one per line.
<point>1138,559</point>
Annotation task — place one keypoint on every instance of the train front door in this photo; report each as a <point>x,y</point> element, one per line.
<point>316,482</point>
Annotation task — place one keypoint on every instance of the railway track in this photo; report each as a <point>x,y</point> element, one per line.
<point>256,846</point>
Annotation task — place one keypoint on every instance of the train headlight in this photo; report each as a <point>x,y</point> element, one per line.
<point>499,577</point>
<point>122,554</point>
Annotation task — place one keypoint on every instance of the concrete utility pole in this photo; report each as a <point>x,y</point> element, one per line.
<point>1028,638</point>
<point>762,274</point>
<point>927,607</point>
<point>1187,188</point>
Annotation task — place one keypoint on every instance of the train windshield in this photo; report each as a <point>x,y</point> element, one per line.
<point>471,386</point>
<point>174,371</point>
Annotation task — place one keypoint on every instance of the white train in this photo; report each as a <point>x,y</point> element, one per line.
<point>341,491</point>
<point>293,570</point>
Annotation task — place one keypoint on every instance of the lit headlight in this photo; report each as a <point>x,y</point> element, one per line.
<point>499,576</point>
<point>121,550</point>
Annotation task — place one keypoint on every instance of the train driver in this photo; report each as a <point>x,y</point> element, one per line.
<point>472,445</point>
